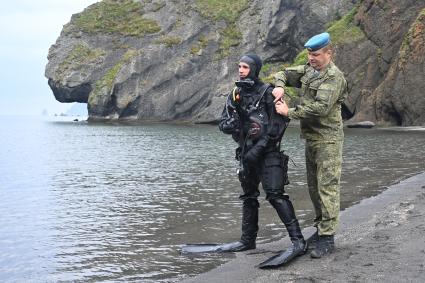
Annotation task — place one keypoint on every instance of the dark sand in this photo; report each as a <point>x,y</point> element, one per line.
<point>381,239</point>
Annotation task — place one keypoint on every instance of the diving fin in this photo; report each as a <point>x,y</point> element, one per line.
<point>296,249</point>
<point>215,248</point>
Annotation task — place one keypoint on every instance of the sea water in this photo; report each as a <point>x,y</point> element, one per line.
<point>114,202</point>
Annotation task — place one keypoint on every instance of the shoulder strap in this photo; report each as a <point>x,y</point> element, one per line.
<point>263,90</point>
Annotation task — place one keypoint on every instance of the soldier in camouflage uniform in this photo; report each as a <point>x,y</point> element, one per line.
<point>323,89</point>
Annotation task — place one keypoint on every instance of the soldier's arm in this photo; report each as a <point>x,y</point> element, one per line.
<point>327,95</point>
<point>289,77</point>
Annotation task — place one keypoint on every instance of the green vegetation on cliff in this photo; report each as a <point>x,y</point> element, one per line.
<point>416,34</point>
<point>228,11</point>
<point>168,40</point>
<point>80,55</point>
<point>202,43</point>
<point>301,58</point>
<point>124,17</point>
<point>217,10</point>
<point>103,87</point>
<point>345,30</point>
<point>231,36</point>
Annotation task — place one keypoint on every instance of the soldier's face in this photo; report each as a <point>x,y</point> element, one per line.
<point>319,59</point>
<point>243,70</point>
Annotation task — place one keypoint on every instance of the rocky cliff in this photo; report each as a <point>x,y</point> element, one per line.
<point>386,69</point>
<point>176,60</point>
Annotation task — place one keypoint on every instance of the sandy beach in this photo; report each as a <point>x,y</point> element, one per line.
<point>381,239</point>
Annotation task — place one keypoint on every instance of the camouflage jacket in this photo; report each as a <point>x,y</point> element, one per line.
<point>321,95</point>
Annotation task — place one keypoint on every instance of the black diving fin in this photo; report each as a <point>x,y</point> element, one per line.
<point>215,248</point>
<point>296,249</point>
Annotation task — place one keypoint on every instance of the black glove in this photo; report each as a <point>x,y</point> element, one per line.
<point>254,154</point>
<point>230,125</point>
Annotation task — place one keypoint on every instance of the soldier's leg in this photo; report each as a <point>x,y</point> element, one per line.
<point>311,168</point>
<point>329,161</point>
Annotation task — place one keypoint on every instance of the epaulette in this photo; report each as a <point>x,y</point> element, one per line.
<point>331,72</point>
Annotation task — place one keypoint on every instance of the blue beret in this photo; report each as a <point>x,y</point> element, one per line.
<point>318,41</point>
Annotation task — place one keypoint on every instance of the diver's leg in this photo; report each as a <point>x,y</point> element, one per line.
<point>273,184</point>
<point>250,207</point>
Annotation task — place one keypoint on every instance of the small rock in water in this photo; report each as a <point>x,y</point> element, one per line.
<point>363,124</point>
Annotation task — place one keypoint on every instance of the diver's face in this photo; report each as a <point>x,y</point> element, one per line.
<point>243,70</point>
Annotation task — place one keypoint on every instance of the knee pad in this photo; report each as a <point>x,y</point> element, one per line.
<point>279,200</point>
<point>284,209</point>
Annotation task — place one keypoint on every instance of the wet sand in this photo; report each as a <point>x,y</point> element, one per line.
<point>381,239</point>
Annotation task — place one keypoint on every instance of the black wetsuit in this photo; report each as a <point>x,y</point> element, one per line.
<point>250,117</point>
<point>259,133</point>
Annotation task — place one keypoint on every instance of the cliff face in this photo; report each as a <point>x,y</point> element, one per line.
<point>386,69</point>
<point>168,60</point>
<point>173,59</point>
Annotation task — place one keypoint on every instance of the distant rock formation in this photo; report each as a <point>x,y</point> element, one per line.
<point>176,60</point>
<point>363,124</point>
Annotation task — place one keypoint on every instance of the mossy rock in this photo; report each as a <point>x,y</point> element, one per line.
<point>416,30</point>
<point>123,17</point>
<point>217,10</point>
<point>103,87</point>
<point>202,43</point>
<point>80,55</point>
<point>230,36</point>
<point>227,11</point>
<point>344,30</point>
<point>169,40</point>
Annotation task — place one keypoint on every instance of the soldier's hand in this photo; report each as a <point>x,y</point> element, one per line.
<point>282,108</point>
<point>278,93</point>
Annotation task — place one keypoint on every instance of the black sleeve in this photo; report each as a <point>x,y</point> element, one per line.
<point>229,120</point>
<point>277,122</point>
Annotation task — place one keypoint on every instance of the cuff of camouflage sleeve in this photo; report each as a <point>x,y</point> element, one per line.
<point>292,114</point>
<point>279,83</point>
<point>279,79</point>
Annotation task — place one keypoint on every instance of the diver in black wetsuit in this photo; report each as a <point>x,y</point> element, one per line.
<point>250,117</point>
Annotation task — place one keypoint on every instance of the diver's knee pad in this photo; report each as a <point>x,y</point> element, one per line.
<point>284,209</point>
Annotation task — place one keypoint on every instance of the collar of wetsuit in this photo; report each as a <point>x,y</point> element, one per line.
<point>245,83</point>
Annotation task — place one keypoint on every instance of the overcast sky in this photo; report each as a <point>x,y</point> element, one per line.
<point>27,29</point>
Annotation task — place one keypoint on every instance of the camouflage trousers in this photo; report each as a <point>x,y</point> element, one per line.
<point>323,162</point>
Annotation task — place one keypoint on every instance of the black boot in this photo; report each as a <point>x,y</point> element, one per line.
<point>325,245</point>
<point>247,241</point>
<point>312,240</point>
<point>249,227</point>
<point>286,213</point>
